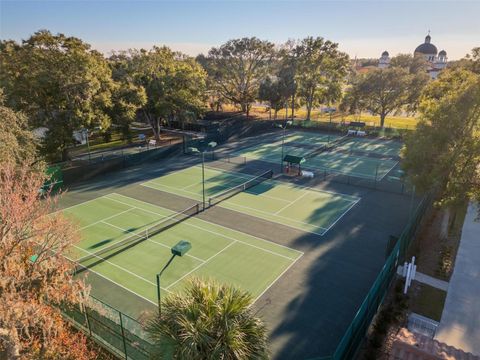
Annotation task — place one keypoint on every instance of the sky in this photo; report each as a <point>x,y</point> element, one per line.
<point>362,28</point>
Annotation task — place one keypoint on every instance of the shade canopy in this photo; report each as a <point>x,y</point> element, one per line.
<point>294,159</point>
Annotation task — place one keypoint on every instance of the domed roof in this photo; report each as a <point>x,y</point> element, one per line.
<point>442,53</point>
<point>427,48</point>
<point>385,53</point>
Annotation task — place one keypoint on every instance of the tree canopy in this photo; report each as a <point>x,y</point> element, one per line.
<point>443,154</point>
<point>238,67</point>
<point>209,321</point>
<point>34,274</point>
<point>174,84</point>
<point>320,71</point>
<point>17,142</point>
<point>384,91</point>
<point>59,83</point>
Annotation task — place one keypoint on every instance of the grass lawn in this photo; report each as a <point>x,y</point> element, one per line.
<point>398,122</point>
<point>428,301</point>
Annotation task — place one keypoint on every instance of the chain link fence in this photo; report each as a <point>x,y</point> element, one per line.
<point>118,333</point>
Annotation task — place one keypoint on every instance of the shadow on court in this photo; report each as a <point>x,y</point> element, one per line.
<point>309,308</point>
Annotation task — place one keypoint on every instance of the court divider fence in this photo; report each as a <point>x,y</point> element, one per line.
<point>80,170</point>
<point>116,332</point>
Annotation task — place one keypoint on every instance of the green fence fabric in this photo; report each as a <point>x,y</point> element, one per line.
<point>358,327</point>
<point>116,332</point>
<point>83,170</point>
<point>54,180</point>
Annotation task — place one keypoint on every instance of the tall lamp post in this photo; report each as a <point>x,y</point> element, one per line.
<point>85,131</point>
<point>195,150</point>
<point>284,127</point>
<point>180,249</point>
<point>330,110</point>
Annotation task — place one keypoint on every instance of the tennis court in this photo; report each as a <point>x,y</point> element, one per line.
<point>385,147</point>
<point>299,207</point>
<point>363,158</point>
<point>219,253</point>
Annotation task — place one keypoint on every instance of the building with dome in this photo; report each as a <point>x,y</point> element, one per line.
<point>384,60</point>
<point>436,61</point>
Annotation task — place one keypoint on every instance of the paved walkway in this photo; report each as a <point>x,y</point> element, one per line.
<point>426,279</point>
<point>460,323</point>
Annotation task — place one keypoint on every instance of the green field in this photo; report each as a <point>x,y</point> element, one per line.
<point>283,203</point>
<point>220,253</point>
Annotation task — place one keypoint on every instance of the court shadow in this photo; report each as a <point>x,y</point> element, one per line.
<point>223,184</point>
<point>100,243</point>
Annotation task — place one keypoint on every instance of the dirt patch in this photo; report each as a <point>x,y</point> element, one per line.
<point>426,300</point>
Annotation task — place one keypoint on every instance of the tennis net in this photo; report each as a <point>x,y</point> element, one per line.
<point>98,257</point>
<point>327,147</point>
<point>227,194</point>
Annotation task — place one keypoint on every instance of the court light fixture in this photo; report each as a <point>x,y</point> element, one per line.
<point>179,249</point>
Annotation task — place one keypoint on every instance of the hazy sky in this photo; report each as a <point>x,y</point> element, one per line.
<point>362,28</point>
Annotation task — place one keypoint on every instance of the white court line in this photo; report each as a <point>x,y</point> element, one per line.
<point>118,266</point>
<point>338,219</point>
<point>290,204</point>
<point>273,214</point>
<point>261,211</point>
<point>84,202</point>
<point>200,265</point>
<point>296,186</point>
<point>388,171</point>
<point>219,234</point>
<point>249,177</point>
<point>107,218</point>
<point>148,239</point>
<point>266,213</point>
<point>177,190</point>
<point>123,287</point>
<point>323,168</point>
<point>191,185</point>
<point>203,221</point>
<point>275,280</point>
<point>158,186</point>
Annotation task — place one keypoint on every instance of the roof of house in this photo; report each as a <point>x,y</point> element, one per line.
<point>412,346</point>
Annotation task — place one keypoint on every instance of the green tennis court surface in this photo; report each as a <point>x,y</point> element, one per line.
<point>288,204</point>
<point>377,146</point>
<point>220,253</point>
<point>339,161</point>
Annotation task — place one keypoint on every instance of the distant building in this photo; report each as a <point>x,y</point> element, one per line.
<point>436,61</point>
<point>384,60</point>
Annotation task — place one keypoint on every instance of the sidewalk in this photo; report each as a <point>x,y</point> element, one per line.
<point>460,323</point>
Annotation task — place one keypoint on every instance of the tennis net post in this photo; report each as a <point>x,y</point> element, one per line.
<point>227,194</point>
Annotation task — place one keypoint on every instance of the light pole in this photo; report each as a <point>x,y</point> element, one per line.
<point>195,150</point>
<point>284,127</point>
<point>88,145</point>
<point>180,249</point>
<point>330,111</point>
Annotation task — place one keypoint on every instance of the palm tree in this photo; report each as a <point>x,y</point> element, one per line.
<point>208,321</point>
